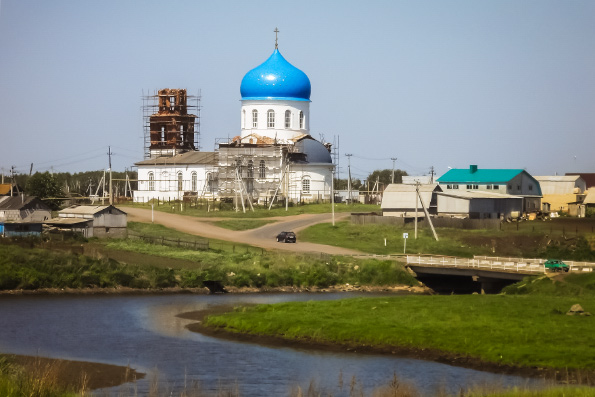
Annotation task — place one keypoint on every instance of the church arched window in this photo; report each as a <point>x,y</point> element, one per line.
<point>262,170</point>
<point>180,181</point>
<point>194,180</point>
<point>270,118</point>
<point>288,119</point>
<point>302,120</point>
<point>151,181</point>
<point>254,118</point>
<point>306,185</point>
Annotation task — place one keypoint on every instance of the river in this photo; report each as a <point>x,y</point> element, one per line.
<point>143,331</point>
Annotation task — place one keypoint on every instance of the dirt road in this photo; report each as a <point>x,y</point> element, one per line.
<point>263,237</point>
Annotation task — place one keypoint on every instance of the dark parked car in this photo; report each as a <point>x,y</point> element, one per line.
<point>286,237</point>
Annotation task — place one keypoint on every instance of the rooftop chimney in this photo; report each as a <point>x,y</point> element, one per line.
<point>473,169</point>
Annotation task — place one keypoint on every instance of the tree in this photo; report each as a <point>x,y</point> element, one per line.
<point>385,176</point>
<point>45,186</point>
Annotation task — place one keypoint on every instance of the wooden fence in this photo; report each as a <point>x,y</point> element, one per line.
<point>198,245</point>
<point>366,219</point>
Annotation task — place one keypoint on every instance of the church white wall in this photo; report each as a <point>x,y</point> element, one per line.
<point>165,185</point>
<point>320,180</point>
<point>279,107</point>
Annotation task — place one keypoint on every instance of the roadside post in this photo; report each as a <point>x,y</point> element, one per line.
<point>152,219</point>
<point>405,237</point>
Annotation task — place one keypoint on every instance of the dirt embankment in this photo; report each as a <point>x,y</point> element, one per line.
<point>78,375</point>
<point>561,375</point>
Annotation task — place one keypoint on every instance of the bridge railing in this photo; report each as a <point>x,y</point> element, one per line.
<point>574,265</point>
<point>502,264</point>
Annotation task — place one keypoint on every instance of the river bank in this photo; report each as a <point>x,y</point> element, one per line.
<point>75,375</point>
<point>359,344</point>
<point>400,289</point>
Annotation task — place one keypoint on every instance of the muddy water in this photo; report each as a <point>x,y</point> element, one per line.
<point>144,332</point>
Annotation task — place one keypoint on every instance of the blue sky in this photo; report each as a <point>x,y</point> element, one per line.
<point>500,84</point>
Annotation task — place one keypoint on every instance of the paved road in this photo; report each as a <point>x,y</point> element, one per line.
<point>263,237</point>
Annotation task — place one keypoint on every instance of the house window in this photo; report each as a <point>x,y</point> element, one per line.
<point>530,187</point>
<point>306,185</point>
<point>476,187</point>
<point>254,118</point>
<point>262,170</point>
<point>496,187</point>
<point>509,187</point>
<point>518,187</point>
<point>455,186</point>
<point>194,187</point>
<point>244,118</point>
<point>287,119</point>
<point>449,186</point>
<point>180,181</point>
<point>271,118</point>
<point>489,187</point>
<point>469,187</point>
<point>301,120</point>
<point>151,181</point>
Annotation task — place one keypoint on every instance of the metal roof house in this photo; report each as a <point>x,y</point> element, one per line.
<point>106,220</point>
<point>22,215</point>
<point>400,200</point>
<point>514,182</point>
<point>479,204</point>
<point>561,190</point>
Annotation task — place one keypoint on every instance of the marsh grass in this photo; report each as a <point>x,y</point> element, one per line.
<point>531,331</point>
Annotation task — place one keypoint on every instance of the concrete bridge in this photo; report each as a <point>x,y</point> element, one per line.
<point>445,274</point>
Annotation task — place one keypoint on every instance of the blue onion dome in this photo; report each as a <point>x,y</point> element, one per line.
<point>276,78</point>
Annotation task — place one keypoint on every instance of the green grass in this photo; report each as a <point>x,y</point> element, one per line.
<point>513,330</point>
<point>227,210</point>
<point>158,231</point>
<point>242,224</point>
<point>370,238</point>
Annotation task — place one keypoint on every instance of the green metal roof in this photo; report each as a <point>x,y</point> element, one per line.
<point>467,175</point>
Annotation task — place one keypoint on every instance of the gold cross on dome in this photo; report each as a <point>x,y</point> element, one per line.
<point>276,31</point>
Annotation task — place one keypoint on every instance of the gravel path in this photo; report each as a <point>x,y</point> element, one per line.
<point>263,236</point>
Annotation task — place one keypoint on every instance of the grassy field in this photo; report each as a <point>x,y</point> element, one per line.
<point>531,330</point>
<point>226,210</point>
<point>242,224</point>
<point>456,242</point>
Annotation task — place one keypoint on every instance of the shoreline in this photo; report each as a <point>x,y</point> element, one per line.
<point>76,374</point>
<point>558,375</point>
<point>205,291</point>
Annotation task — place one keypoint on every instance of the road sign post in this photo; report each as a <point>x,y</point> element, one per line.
<point>405,237</point>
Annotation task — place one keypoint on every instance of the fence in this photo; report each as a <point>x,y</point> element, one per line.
<point>198,245</point>
<point>366,219</point>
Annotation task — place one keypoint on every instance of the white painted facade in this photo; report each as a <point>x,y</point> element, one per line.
<point>276,119</point>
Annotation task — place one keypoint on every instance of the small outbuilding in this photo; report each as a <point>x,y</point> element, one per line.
<point>400,200</point>
<point>22,215</point>
<point>105,220</point>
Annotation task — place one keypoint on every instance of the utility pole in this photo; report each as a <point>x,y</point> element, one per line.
<point>431,174</point>
<point>348,177</point>
<point>393,159</point>
<point>111,196</point>
<point>333,196</point>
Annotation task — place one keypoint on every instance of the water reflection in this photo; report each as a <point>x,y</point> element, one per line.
<point>143,331</point>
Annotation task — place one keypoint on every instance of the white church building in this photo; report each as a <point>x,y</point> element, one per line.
<point>274,157</point>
